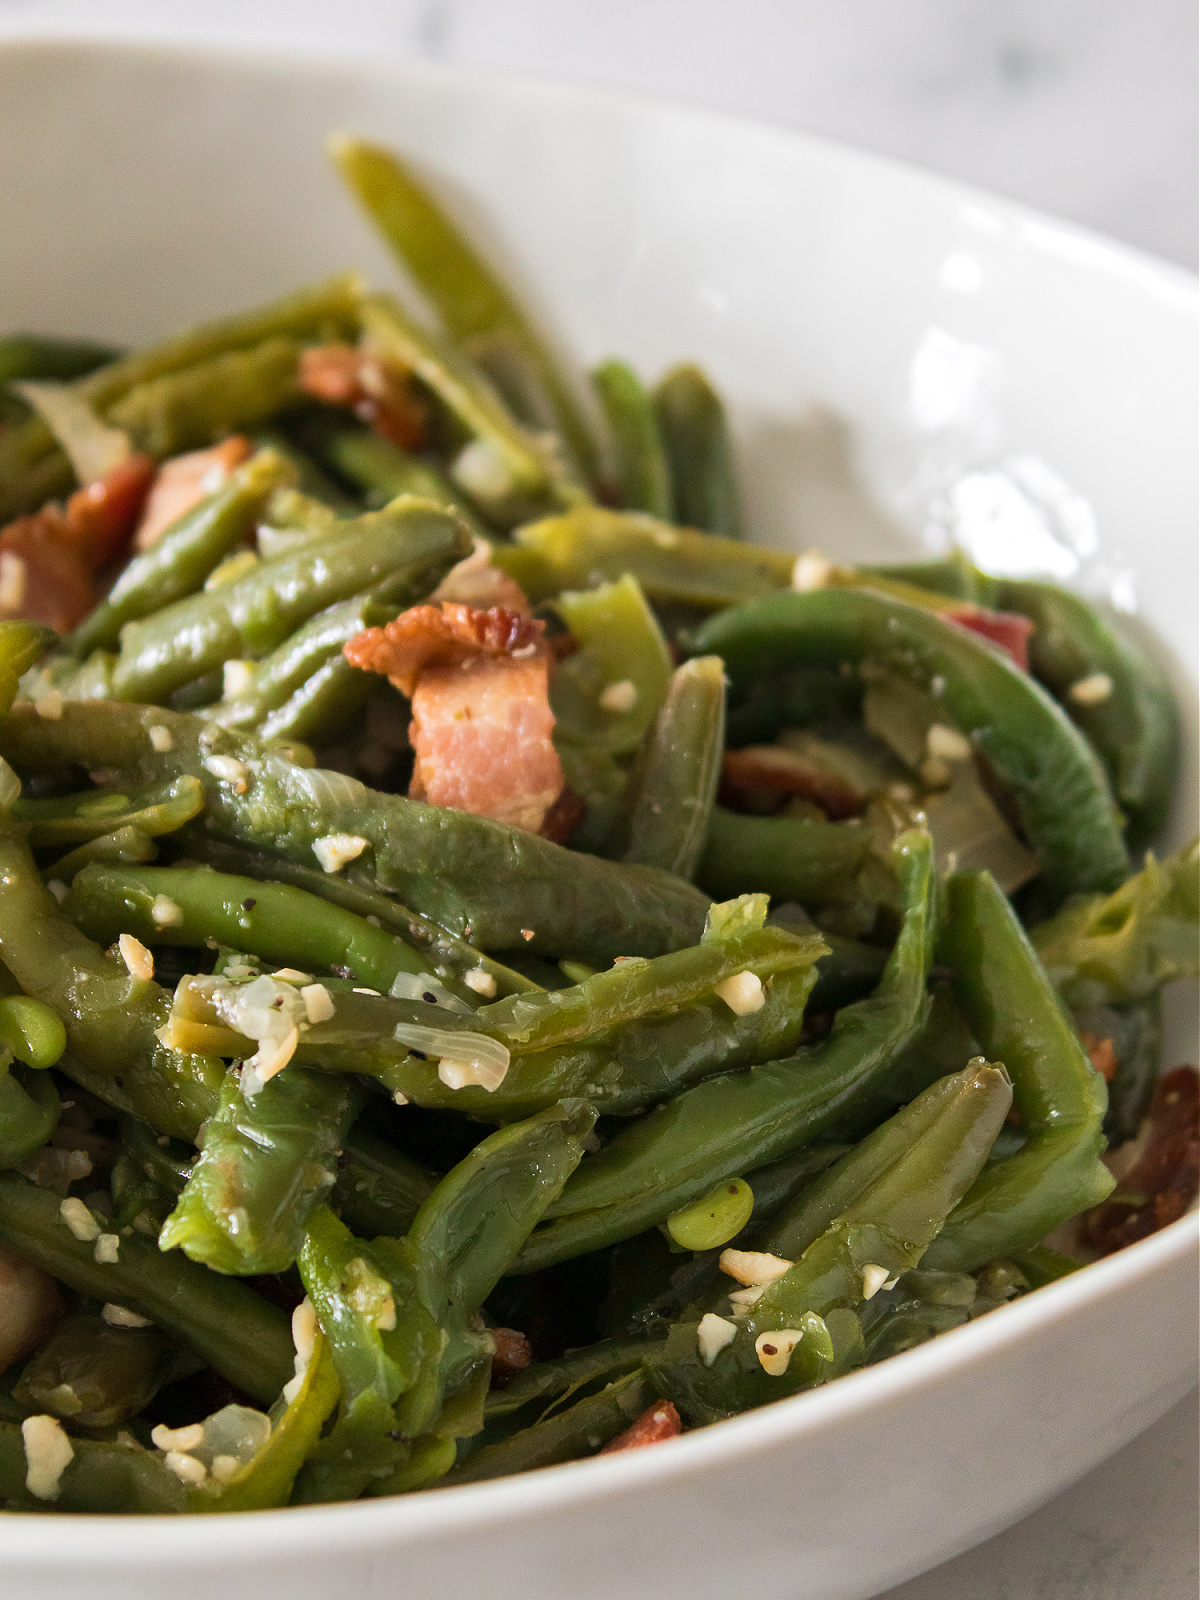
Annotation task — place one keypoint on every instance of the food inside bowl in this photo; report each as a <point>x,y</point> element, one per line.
<point>498,967</point>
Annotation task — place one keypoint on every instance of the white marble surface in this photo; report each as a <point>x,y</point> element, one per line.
<point>1084,107</point>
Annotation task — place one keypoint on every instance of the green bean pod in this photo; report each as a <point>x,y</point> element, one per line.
<point>470,298</point>
<point>578,1431</point>
<point>101,1479</point>
<point>266,1164</point>
<point>155,809</point>
<point>728,1126</point>
<point>404,550</point>
<point>789,858</point>
<point>124,847</point>
<point>94,1375</point>
<point>480,879</point>
<point>230,1328</point>
<point>177,565</point>
<point>695,434</point>
<point>1135,725</point>
<point>643,472</point>
<point>591,545</point>
<point>668,806</point>
<point>1060,1097</point>
<point>1036,752</point>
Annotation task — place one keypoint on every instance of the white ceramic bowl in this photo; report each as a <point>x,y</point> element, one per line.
<point>1027,380</point>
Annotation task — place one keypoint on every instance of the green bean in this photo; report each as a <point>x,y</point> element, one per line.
<point>31,355</point>
<point>280,924</point>
<point>470,298</point>
<point>480,879</point>
<point>563,1375</point>
<point>695,434</point>
<point>188,551</point>
<point>266,1163</point>
<point>1037,754</point>
<point>94,1375</point>
<point>100,1478</point>
<point>21,643</point>
<point>449,958</point>
<point>29,1111</point>
<point>954,576</point>
<point>110,1016</point>
<point>200,404</point>
<point>381,471</point>
<point>578,1431</point>
<point>404,550</point>
<point>731,1125</point>
<point>787,857</point>
<point>232,1329</point>
<point>311,480</point>
<point>516,468</point>
<point>606,693</point>
<point>155,809</point>
<point>125,847</point>
<point>32,1031</point>
<point>289,669</point>
<point>379,1190</point>
<point>643,472</point>
<point>759,710</point>
<point>591,545</point>
<point>1135,724</point>
<point>668,806</point>
<point>883,1225</point>
<point>1061,1098</point>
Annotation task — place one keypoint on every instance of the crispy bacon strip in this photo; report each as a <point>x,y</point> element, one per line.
<point>1008,629</point>
<point>479,684</point>
<point>184,481</point>
<point>761,776</point>
<point>343,375</point>
<point>511,1355</point>
<point>49,561</point>
<point>661,1421</point>
<point>1162,1185</point>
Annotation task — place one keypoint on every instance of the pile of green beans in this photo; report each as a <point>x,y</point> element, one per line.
<point>759,1078</point>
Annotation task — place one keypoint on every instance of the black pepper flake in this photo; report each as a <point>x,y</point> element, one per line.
<point>431,999</point>
<point>249,905</point>
<point>419,1054</point>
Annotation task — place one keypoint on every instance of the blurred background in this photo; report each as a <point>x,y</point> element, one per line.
<point>1085,108</point>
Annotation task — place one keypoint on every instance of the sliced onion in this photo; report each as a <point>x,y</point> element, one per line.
<point>92,447</point>
<point>465,1058</point>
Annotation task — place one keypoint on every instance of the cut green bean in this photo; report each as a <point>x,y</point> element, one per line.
<point>695,434</point>
<point>643,472</point>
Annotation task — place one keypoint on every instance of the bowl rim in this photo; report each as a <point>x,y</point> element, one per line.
<point>86,1542</point>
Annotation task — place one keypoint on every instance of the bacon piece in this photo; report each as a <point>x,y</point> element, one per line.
<point>479,685</point>
<point>184,481</point>
<point>758,778</point>
<point>1101,1053</point>
<point>100,517</point>
<point>1008,629</point>
<point>343,375</point>
<point>661,1421</point>
<point>512,1354</point>
<point>1164,1181</point>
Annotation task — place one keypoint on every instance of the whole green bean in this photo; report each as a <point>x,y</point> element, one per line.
<point>100,1478</point>
<point>789,858</point>
<point>590,545</point>
<point>578,1431</point>
<point>1061,1098</point>
<point>94,1375</point>
<point>668,805</point>
<point>274,921</point>
<point>232,1329</point>
<point>727,1126</point>
<point>287,670</point>
<point>449,958</point>
<point>470,298</point>
<point>643,472</point>
<point>266,1163</point>
<point>154,809</point>
<point>480,879</point>
<point>236,390</point>
<point>404,550</point>
<point>1036,752</point>
<point>1133,717</point>
<point>695,434</point>
<point>188,551</point>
